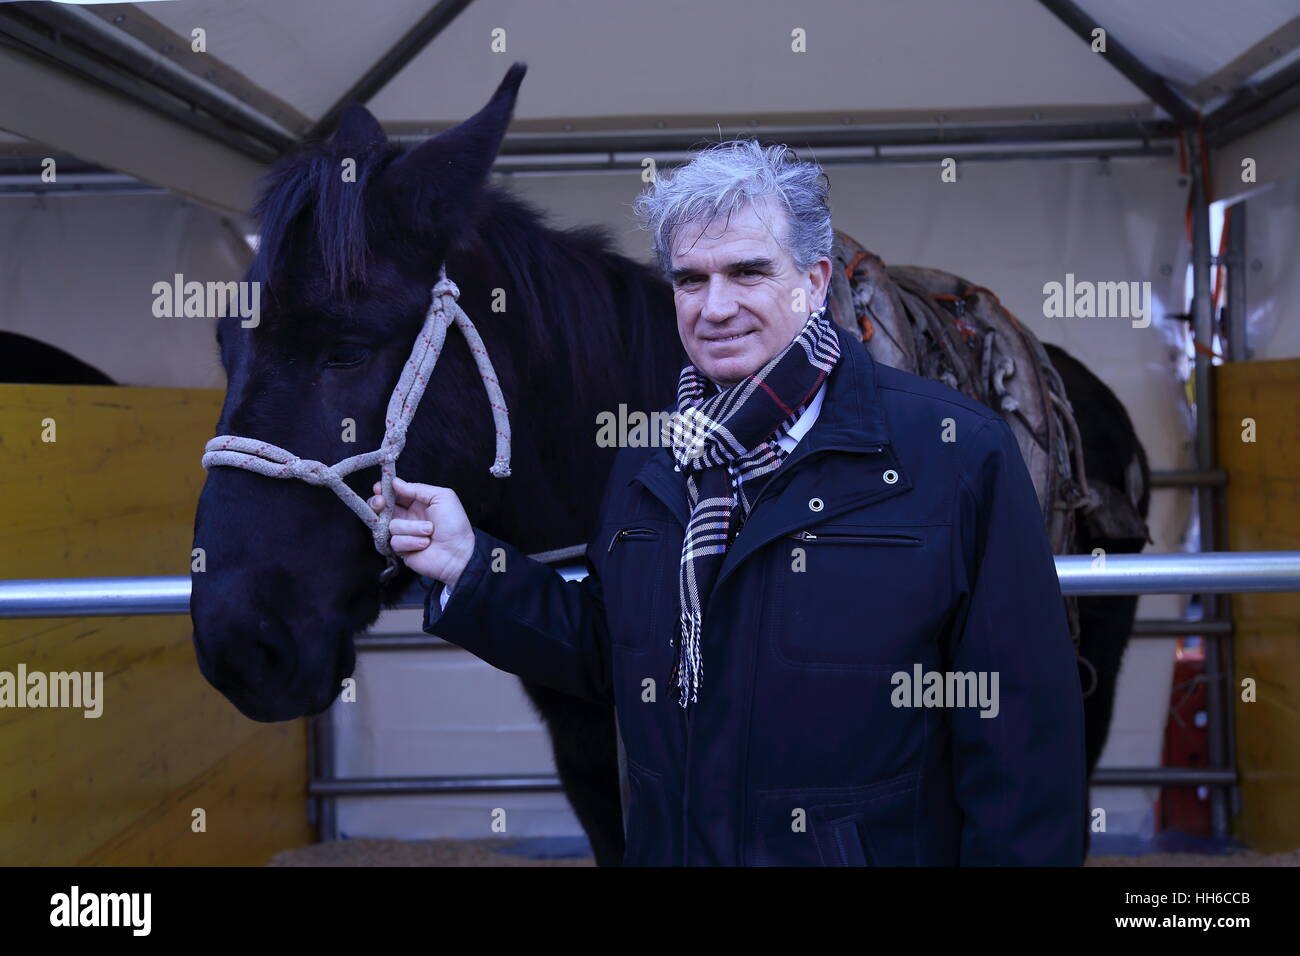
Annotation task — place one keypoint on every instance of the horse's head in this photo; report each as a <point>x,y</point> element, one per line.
<point>353,232</point>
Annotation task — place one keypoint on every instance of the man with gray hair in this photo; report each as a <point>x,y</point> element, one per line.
<point>787,611</point>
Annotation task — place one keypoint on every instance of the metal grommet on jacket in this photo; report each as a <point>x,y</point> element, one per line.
<point>815,504</point>
<point>890,476</point>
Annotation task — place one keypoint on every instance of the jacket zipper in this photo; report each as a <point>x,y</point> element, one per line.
<point>842,537</point>
<point>624,534</point>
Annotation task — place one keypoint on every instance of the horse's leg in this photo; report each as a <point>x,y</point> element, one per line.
<point>1105,624</point>
<point>586,755</point>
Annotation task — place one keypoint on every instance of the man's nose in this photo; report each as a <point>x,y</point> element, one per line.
<point>719,301</point>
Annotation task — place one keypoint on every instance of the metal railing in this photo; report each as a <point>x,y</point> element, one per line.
<point>1224,572</point>
<point>1231,572</point>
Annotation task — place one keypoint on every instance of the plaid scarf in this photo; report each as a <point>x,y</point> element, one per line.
<point>724,442</point>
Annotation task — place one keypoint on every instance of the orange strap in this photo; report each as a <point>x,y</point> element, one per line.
<point>868,330</point>
<point>1206,351</point>
<point>971,290</point>
<point>852,267</point>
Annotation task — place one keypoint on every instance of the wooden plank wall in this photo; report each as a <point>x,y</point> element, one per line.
<point>115,494</point>
<point>1263,514</point>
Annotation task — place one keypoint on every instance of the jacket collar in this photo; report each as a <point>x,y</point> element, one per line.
<point>851,418</point>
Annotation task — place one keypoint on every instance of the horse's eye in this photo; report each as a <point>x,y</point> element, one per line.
<point>346,355</point>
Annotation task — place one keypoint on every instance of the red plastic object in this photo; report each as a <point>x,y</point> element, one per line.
<point>1187,744</point>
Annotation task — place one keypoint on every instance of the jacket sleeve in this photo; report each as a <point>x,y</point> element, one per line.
<point>525,618</point>
<point>1020,776</point>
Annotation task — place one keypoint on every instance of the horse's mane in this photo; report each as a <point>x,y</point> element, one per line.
<point>582,307</point>
<point>312,179</point>
<point>604,316</point>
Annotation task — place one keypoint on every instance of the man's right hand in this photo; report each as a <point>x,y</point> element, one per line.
<point>430,531</point>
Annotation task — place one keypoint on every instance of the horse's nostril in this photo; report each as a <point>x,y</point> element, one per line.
<point>270,656</point>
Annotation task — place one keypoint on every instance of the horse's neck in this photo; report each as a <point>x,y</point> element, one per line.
<point>552,500</point>
<point>606,321</point>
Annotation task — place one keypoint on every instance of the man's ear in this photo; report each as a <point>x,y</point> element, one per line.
<point>437,183</point>
<point>821,281</point>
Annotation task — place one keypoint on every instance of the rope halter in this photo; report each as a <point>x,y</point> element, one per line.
<point>275,462</point>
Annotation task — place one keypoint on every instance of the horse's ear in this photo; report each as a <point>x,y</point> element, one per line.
<point>440,177</point>
<point>358,129</point>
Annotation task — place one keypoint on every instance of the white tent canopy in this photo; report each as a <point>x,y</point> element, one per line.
<point>907,72</point>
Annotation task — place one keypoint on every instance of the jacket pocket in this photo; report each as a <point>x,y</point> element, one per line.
<point>632,534</point>
<point>847,843</point>
<point>831,826</point>
<point>637,585</point>
<point>649,837</point>
<point>858,537</point>
<point>859,597</point>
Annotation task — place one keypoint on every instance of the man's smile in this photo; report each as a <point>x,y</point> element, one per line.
<point>727,338</point>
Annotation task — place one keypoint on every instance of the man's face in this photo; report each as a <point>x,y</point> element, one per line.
<point>739,297</point>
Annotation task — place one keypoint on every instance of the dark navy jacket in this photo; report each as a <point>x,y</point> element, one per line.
<point>878,551</point>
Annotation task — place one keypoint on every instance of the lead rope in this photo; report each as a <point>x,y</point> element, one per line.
<point>276,462</point>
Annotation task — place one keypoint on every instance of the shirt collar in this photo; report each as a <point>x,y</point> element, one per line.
<point>851,415</point>
<point>805,421</point>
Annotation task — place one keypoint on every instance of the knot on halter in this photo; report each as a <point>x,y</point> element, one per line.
<point>275,462</point>
<point>445,286</point>
<point>312,472</point>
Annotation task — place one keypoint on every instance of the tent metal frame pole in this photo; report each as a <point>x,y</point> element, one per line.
<point>1217,700</point>
<point>1238,351</point>
<point>1254,106</point>
<point>17,32</point>
<point>1122,59</point>
<point>98,36</point>
<point>1238,347</point>
<point>566,165</point>
<point>192,101</point>
<point>1144,132</point>
<point>411,45</point>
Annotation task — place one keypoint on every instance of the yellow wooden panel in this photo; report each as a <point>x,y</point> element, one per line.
<point>124,460</point>
<point>253,802</point>
<point>114,494</point>
<point>1263,511</point>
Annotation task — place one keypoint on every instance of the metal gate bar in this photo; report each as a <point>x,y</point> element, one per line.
<point>1203,573</point>
<point>1225,572</point>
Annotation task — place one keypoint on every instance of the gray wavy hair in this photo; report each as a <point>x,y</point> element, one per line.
<point>726,177</point>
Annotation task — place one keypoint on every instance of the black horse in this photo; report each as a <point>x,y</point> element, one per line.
<point>1113,459</point>
<point>28,361</point>
<point>347,265</point>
